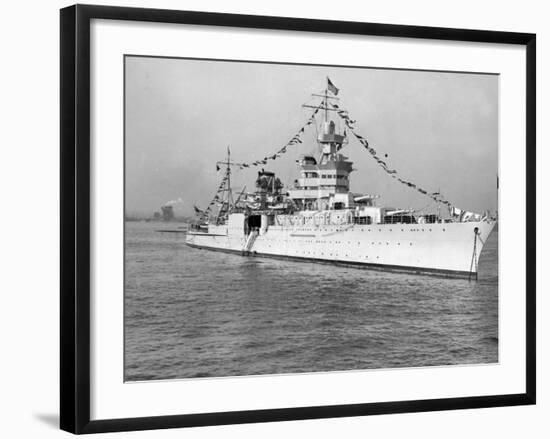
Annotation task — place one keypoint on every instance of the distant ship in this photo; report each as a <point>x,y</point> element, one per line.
<point>319,219</point>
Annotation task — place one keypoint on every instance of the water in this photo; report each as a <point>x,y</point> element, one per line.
<point>197,313</point>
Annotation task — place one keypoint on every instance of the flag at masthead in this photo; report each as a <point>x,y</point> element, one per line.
<point>331,87</point>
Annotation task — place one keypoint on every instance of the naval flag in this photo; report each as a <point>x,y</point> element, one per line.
<point>331,87</point>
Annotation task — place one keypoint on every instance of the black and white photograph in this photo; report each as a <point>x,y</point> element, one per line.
<point>296,218</point>
<point>275,219</point>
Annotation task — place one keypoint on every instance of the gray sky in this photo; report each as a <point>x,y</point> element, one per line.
<point>439,130</point>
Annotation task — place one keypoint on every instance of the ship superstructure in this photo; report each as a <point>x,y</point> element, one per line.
<point>318,218</point>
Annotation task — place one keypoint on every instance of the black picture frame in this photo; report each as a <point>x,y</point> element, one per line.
<point>75,217</point>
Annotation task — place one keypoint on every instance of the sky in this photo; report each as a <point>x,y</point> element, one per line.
<point>438,129</point>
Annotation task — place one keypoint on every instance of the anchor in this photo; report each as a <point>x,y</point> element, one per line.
<point>474,254</point>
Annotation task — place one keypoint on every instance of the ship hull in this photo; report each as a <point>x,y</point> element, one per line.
<point>439,248</point>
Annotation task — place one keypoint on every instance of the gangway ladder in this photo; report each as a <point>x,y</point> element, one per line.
<point>250,242</point>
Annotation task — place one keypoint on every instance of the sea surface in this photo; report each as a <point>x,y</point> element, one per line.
<point>198,313</point>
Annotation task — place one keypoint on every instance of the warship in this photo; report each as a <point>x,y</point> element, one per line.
<point>318,218</point>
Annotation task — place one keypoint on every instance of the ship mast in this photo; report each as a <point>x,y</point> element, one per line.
<point>229,201</point>
<point>228,171</point>
<point>324,104</point>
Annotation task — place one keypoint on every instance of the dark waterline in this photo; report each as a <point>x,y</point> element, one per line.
<point>196,313</point>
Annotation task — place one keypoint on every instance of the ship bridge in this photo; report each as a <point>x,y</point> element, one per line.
<point>324,182</point>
